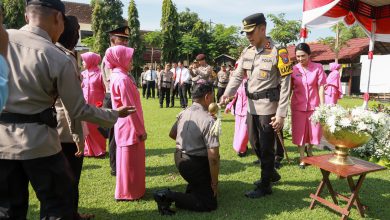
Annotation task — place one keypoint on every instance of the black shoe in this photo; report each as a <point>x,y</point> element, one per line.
<point>256,162</point>
<point>242,154</point>
<point>163,202</point>
<point>113,173</point>
<point>171,106</point>
<point>278,165</point>
<point>274,179</point>
<point>259,192</point>
<point>161,106</point>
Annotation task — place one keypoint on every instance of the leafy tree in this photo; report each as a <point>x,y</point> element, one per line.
<point>224,38</point>
<point>241,44</point>
<point>169,29</point>
<point>135,36</point>
<point>88,41</point>
<point>154,40</point>
<point>187,21</point>
<point>14,13</point>
<point>343,34</point>
<point>189,44</point>
<point>284,31</point>
<point>106,15</point>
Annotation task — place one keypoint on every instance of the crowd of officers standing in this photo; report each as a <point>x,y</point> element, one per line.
<point>175,80</point>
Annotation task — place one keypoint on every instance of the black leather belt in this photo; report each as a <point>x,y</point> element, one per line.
<point>8,117</point>
<point>272,94</point>
<point>48,117</point>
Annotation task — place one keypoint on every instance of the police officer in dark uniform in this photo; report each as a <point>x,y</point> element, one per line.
<point>268,89</point>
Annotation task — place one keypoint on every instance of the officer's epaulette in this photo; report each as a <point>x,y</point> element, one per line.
<point>285,65</point>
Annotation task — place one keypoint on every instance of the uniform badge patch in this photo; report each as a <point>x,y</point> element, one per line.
<point>284,63</point>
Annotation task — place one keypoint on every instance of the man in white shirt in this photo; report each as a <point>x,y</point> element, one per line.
<point>182,75</point>
<point>150,77</point>
<point>174,91</point>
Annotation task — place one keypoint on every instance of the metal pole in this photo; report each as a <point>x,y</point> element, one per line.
<point>370,57</point>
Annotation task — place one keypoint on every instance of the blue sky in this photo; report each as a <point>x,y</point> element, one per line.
<point>228,12</point>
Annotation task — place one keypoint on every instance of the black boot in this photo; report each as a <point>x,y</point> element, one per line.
<point>163,201</point>
<point>259,191</point>
<point>274,179</point>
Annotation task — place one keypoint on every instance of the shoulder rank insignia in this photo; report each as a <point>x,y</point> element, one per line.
<point>284,63</point>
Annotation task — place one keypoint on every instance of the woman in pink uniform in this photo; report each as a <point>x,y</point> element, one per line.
<point>333,91</point>
<point>308,80</point>
<point>238,104</point>
<point>130,134</point>
<point>93,90</point>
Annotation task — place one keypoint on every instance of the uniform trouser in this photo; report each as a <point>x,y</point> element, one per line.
<point>199,195</point>
<point>76,164</point>
<point>183,95</point>
<point>111,136</point>
<point>187,90</point>
<point>279,148</point>
<point>165,93</point>
<point>151,85</point>
<point>174,93</point>
<point>262,138</point>
<point>51,179</point>
<point>144,87</point>
<point>220,93</point>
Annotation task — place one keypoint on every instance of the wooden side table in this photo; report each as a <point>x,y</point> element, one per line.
<point>361,168</point>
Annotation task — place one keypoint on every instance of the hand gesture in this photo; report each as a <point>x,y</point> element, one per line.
<point>80,148</point>
<point>125,111</point>
<point>277,123</point>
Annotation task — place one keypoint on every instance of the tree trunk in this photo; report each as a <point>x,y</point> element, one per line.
<point>337,49</point>
<point>151,57</point>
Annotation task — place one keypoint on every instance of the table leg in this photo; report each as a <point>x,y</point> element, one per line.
<point>325,175</point>
<point>354,199</point>
<point>329,186</point>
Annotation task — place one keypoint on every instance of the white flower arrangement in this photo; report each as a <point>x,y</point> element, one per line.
<point>358,120</point>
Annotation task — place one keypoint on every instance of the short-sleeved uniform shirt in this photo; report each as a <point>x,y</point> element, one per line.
<point>193,131</point>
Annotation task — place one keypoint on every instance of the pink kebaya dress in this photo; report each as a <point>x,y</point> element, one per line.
<point>305,98</point>
<point>238,107</point>
<point>333,91</point>
<point>93,90</point>
<point>130,151</point>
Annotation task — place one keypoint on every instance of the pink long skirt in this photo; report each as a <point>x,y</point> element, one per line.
<point>95,143</point>
<point>130,172</point>
<point>303,130</point>
<point>240,134</point>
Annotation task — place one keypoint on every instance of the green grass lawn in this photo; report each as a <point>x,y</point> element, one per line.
<point>290,199</point>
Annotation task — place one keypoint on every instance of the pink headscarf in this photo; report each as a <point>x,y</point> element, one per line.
<point>334,68</point>
<point>118,57</point>
<point>91,60</point>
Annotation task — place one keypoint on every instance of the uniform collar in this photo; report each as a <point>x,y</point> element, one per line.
<point>309,65</point>
<point>37,30</point>
<point>198,105</point>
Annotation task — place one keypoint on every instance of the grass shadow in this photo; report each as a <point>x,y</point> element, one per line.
<point>91,167</point>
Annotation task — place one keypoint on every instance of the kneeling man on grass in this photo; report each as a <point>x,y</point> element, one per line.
<point>196,156</point>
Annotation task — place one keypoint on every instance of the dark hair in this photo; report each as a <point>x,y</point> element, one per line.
<point>303,47</point>
<point>201,88</point>
<point>70,36</point>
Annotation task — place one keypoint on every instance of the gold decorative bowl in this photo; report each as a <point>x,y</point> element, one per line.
<point>343,141</point>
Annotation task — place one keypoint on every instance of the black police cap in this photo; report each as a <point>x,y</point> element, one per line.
<point>252,21</point>
<point>54,4</point>
<point>123,31</point>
